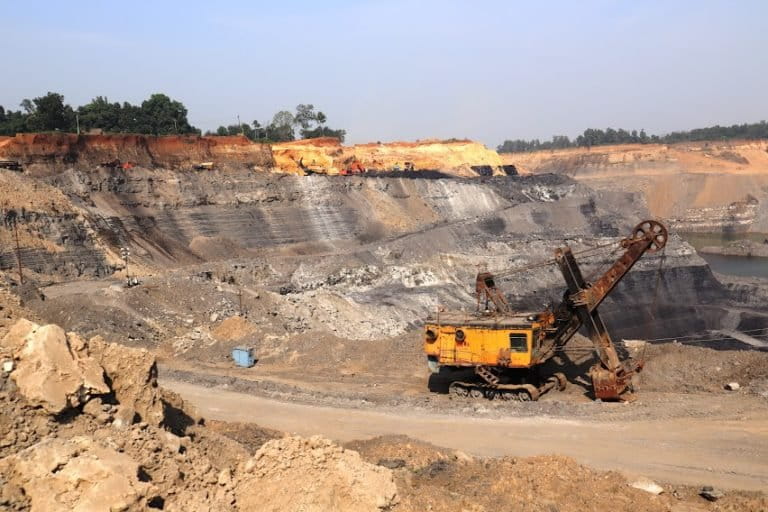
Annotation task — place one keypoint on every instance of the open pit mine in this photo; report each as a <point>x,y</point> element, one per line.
<point>135,272</point>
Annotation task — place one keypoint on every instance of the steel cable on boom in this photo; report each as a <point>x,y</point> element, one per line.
<point>686,340</point>
<point>545,263</point>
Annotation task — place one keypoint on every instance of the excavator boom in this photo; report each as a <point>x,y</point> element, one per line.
<point>610,377</point>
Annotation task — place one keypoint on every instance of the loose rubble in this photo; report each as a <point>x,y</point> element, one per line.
<point>74,474</point>
<point>340,481</point>
<point>102,435</point>
<point>110,438</point>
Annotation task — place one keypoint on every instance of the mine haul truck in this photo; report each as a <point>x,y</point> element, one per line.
<point>502,351</point>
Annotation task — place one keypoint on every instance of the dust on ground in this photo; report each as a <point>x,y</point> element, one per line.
<point>94,450</point>
<point>430,478</point>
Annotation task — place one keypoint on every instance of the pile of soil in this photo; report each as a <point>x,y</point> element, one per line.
<point>430,478</point>
<point>102,435</point>
<point>331,478</point>
<point>234,328</point>
<point>250,435</point>
<point>690,369</point>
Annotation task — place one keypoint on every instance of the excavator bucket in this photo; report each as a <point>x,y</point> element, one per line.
<point>609,385</point>
<point>606,384</point>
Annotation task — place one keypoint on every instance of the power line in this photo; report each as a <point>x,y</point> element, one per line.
<point>685,340</point>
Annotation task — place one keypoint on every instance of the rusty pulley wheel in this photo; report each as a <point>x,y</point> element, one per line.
<point>651,230</point>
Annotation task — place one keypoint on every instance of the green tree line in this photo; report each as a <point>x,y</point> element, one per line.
<point>157,115</point>
<point>596,137</point>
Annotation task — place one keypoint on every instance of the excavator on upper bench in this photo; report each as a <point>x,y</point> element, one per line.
<point>506,349</point>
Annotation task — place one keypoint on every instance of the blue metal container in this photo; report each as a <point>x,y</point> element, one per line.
<point>243,356</point>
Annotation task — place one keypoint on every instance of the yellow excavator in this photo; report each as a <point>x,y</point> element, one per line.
<point>498,353</point>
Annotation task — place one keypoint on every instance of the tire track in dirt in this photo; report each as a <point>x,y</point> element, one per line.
<point>726,453</point>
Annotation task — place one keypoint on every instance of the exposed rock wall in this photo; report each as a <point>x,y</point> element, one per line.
<point>705,187</point>
<point>398,244</point>
<point>713,157</point>
<point>328,156</point>
<point>361,257</point>
<point>55,236</point>
<point>42,152</point>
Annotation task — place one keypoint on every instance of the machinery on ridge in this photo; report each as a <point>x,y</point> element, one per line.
<point>505,349</point>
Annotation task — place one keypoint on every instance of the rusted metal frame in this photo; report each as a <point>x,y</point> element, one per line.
<point>485,288</point>
<point>590,319</point>
<point>594,295</point>
<point>558,339</point>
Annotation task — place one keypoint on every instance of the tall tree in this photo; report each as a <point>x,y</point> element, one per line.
<point>165,116</point>
<point>281,127</point>
<point>101,114</point>
<point>305,116</point>
<point>312,123</point>
<point>49,113</point>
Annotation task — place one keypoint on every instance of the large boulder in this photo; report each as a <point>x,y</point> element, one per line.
<point>331,477</point>
<point>74,475</point>
<point>16,337</point>
<point>132,375</point>
<point>59,371</point>
<point>53,371</point>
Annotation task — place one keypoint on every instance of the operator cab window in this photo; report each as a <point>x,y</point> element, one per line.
<point>518,342</point>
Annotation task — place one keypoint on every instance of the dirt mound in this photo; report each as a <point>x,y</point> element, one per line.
<point>683,368</point>
<point>11,310</point>
<point>132,377</point>
<point>706,157</point>
<point>233,328</point>
<point>331,479</point>
<point>402,451</point>
<point>249,435</point>
<point>458,157</point>
<point>430,478</point>
<point>76,474</point>
<point>323,155</point>
<point>101,448</point>
<point>21,191</point>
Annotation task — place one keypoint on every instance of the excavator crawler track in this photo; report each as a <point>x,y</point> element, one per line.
<point>506,392</point>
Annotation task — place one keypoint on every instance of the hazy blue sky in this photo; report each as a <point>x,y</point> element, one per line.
<point>388,70</point>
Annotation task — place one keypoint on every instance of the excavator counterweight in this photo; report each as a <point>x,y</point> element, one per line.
<point>505,349</point>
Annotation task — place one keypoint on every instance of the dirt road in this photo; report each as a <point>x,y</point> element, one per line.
<point>723,452</point>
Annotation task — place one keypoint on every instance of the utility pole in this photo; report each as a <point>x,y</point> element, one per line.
<point>239,124</point>
<point>18,251</point>
<point>125,252</point>
<point>77,120</point>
